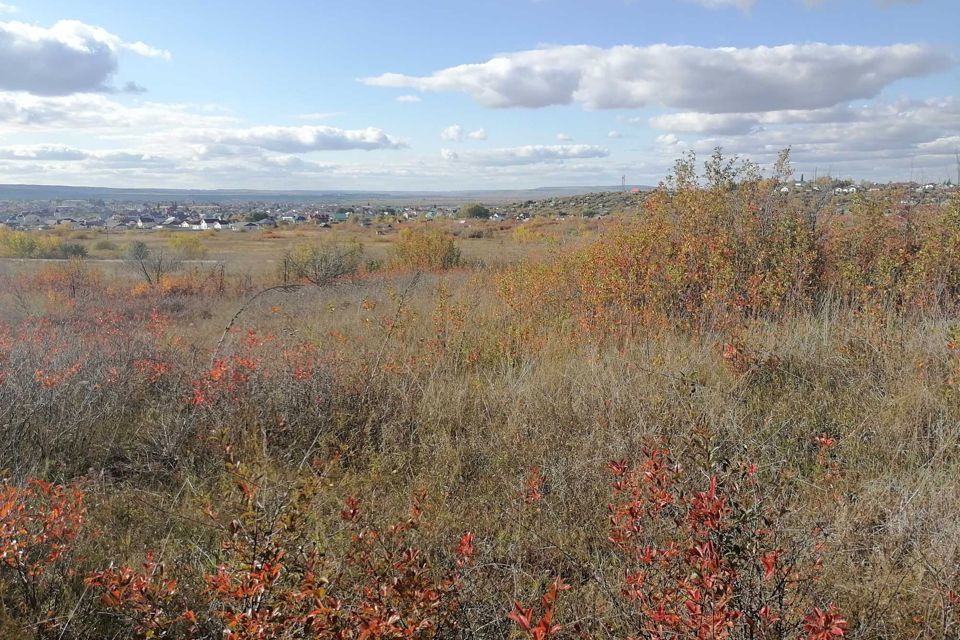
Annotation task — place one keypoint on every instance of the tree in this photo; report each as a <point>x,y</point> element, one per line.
<point>152,265</point>
<point>721,173</point>
<point>474,211</point>
<point>782,169</point>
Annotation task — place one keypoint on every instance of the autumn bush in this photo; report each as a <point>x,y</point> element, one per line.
<point>733,415</point>
<point>425,249</point>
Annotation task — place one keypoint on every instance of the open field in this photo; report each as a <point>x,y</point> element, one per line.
<point>491,243</point>
<point>722,417</point>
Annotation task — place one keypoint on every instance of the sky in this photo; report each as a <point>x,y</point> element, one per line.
<point>453,95</point>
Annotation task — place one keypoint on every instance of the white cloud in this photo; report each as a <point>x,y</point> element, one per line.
<point>302,139</point>
<point>877,141</point>
<point>42,152</point>
<point>449,154</point>
<point>7,8</point>
<point>668,140</point>
<point>935,116</point>
<point>479,134</point>
<point>69,57</point>
<point>21,112</point>
<point>614,135</point>
<point>534,154</point>
<point>721,80</point>
<point>453,133</point>
<point>563,137</point>
<point>409,99</point>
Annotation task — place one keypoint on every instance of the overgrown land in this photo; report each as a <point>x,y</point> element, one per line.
<point>727,414</point>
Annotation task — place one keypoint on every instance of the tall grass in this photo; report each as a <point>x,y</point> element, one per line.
<point>740,333</point>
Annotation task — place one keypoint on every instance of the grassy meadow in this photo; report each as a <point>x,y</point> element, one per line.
<point>727,416</point>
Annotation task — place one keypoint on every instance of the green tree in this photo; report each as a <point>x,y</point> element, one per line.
<point>474,211</point>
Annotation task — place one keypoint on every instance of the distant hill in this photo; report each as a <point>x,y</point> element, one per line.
<point>56,192</point>
<point>594,203</point>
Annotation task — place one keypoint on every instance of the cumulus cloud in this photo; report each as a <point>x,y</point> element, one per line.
<point>20,111</point>
<point>303,139</point>
<point>564,137</point>
<point>876,141</point>
<point>533,154</point>
<point>935,114</point>
<point>453,133</point>
<point>42,152</point>
<point>69,57</point>
<point>721,80</point>
<point>614,135</point>
<point>479,134</point>
<point>668,140</point>
<point>61,156</point>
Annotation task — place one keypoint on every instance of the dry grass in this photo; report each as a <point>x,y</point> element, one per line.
<point>424,383</point>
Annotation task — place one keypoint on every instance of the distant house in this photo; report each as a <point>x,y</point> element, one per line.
<point>146,222</point>
<point>211,223</point>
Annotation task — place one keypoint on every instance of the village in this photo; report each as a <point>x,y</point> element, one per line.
<point>257,215</point>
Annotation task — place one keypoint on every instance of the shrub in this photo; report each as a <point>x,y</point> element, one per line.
<point>72,250</point>
<point>189,247</point>
<point>710,563</point>
<point>474,211</point>
<point>425,249</point>
<point>39,524</point>
<point>320,264</point>
<point>105,245</point>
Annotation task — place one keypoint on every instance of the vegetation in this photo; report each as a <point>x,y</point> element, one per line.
<point>425,249</point>
<point>474,211</point>
<point>732,416</point>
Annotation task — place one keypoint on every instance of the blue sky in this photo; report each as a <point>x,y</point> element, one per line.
<point>453,95</point>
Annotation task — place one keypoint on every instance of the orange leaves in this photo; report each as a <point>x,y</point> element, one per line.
<point>706,563</point>
<point>270,581</point>
<point>534,486</point>
<point>152,370</point>
<point>352,511</point>
<point>50,379</point>
<point>39,525</point>
<point>824,624</point>
<point>542,628</point>
<point>465,549</point>
<point>146,597</point>
<point>769,561</point>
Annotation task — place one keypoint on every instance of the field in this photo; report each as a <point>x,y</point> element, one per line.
<point>726,416</point>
